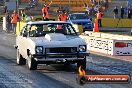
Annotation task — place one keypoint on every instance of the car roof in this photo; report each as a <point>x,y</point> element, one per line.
<point>45,22</point>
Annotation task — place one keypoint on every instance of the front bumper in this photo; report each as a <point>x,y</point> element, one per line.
<point>44,59</point>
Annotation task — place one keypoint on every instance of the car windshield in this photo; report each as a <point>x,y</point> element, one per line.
<point>37,30</point>
<point>78,16</point>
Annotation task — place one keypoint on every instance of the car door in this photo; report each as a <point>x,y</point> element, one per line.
<point>21,41</point>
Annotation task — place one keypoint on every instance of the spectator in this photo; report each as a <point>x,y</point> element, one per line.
<point>45,11</point>
<point>35,2</point>
<point>129,13</point>
<point>115,12</point>
<point>8,22</point>
<point>23,15</point>
<point>14,20</point>
<point>99,2</point>
<point>126,10</point>
<point>5,9</point>
<point>30,2</point>
<point>62,16</point>
<point>99,18</point>
<point>93,11</point>
<point>106,3</point>
<point>59,10</point>
<point>94,2</point>
<point>87,8</point>
<point>122,12</point>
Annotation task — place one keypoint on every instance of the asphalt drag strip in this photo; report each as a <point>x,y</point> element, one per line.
<point>14,76</point>
<point>54,76</point>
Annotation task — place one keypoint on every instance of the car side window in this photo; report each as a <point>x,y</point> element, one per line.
<point>70,30</point>
<point>32,31</point>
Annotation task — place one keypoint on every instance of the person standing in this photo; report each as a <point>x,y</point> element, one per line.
<point>23,15</point>
<point>129,13</point>
<point>87,8</point>
<point>62,16</point>
<point>122,12</point>
<point>8,22</point>
<point>34,2</point>
<point>45,11</point>
<point>5,9</point>
<point>99,18</point>
<point>115,12</point>
<point>125,11</point>
<point>14,20</point>
<point>106,3</point>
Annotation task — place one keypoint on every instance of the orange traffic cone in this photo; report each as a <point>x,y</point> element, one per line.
<point>96,28</point>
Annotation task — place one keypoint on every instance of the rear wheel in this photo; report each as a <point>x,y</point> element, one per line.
<point>20,59</point>
<point>82,63</point>
<point>32,64</point>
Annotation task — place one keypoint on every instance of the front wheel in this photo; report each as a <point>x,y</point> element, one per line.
<point>32,64</point>
<point>20,59</point>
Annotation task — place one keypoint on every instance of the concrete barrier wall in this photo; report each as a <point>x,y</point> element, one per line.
<point>110,22</point>
<point>108,35</point>
<point>110,44</point>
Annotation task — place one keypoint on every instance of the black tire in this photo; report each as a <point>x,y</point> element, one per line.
<point>20,59</point>
<point>82,63</point>
<point>32,64</point>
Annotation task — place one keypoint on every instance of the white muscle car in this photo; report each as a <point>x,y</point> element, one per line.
<point>49,42</point>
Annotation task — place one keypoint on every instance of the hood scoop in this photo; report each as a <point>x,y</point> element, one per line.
<point>55,37</point>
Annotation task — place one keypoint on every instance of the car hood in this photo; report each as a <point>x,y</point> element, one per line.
<point>81,21</point>
<point>58,40</point>
<point>55,37</point>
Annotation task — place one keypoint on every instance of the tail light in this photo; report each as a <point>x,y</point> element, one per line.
<point>120,44</point>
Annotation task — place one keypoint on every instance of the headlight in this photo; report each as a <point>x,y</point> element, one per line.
<point>39,50</point>
<point>82,48</point>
